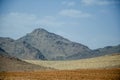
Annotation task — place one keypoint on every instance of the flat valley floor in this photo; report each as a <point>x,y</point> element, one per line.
<point>82,74</point>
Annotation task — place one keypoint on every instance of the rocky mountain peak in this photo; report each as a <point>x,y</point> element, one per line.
<point>39,31</point>
<point>53,46</point>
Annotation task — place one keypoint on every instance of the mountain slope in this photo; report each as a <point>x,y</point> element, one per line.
<point>97,52</point>
<point>20,50</point>
<point>53,46</point>
<point>107,50</point>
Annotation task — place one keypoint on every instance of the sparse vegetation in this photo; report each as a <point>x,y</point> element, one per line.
<point>89,74</point>
<point>108,61</point>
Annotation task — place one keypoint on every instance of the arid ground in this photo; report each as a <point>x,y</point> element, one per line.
<point>108,61</point>
<point>83,74</point>
<point>100,68</point>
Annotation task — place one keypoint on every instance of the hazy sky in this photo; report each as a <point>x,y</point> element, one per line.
<point>95,23</point>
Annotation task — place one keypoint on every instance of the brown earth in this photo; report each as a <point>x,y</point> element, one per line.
<point>83,74</point>
<point>8,63</point>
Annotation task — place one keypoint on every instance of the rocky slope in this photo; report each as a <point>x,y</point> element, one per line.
<point>97,52</point>
<point>20,50</point>
<point>53,46</point>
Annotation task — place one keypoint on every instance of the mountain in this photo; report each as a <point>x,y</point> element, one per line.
<point>41,44</point>
<point>54,47</point>
<point>107,50</point>
<point>97,52</point>
<point>8,63</point>
<point>20,50</point>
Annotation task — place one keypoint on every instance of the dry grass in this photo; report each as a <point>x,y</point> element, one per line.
<point>92,63</point>
<point>90,74</point>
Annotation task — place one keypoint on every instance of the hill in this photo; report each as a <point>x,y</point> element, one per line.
<point>8,63</point>
<point>108,50</point>
<point>108,61</point>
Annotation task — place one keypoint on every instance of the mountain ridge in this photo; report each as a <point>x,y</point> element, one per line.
<point>53,46</point>
<point>44,45</point>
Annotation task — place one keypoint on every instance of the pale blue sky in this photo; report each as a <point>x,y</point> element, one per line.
<point>95,23</point>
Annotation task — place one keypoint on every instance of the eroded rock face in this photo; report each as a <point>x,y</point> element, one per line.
<point>20,50</point>
<point>53,46</point>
